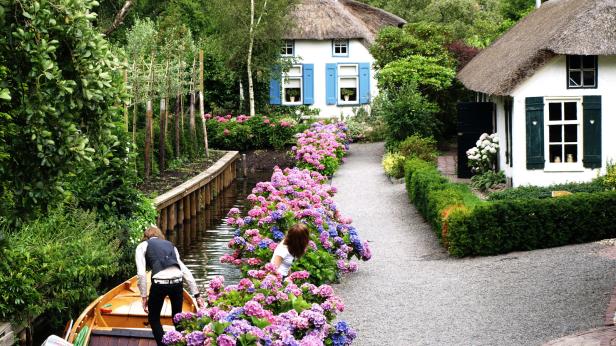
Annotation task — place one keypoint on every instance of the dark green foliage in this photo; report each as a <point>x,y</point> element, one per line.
<point>525,224</point>
<point>407,112</point>
<point>537,192</point>
<point>53,263</point>
<point>65,92</point>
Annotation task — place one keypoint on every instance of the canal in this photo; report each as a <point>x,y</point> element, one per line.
<point>202,255</point>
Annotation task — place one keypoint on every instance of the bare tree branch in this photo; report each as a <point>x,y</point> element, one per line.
<point>119,18</point>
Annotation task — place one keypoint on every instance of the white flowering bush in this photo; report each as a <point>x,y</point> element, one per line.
<point>482,158</point>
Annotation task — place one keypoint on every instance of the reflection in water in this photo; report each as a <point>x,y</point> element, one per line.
<point>205,239</point>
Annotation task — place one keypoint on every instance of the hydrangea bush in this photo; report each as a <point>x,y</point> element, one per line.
<point>482,157</point>
<point>301,310</point>
<point>321,148</point>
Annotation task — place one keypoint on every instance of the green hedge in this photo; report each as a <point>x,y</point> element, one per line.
<point>468,226</point>
<point>513,225</point>
<point>433,195</point>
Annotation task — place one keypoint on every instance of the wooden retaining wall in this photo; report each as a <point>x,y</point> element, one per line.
<point>178,208</point>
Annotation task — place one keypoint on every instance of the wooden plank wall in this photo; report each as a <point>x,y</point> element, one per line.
<point>179,207</point>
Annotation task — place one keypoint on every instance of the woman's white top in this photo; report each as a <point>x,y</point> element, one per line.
<point>287,259</point>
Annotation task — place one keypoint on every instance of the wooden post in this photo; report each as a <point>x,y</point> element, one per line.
<point>161,134</point>
<point>148,138</point>
<point>163,220</point>
<point>172,218</point>
<point>201,105</point>
<point>244,166</point>
<point>177,125</point>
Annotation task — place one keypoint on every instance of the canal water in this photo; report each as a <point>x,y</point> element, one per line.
<point>202,255</point>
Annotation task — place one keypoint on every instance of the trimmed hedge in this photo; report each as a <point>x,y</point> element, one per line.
<point>433,195</point>
<point>513,225</point>
<point>468,226</point>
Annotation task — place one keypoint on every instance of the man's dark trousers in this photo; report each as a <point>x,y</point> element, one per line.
<point>158,292</point>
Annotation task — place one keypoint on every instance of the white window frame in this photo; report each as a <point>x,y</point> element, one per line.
<point>563,166</point>
<point>299,76</point>
<point>583,69</point>
<point>341,76</point>
<point>285,46</point>
<point>340,44</point>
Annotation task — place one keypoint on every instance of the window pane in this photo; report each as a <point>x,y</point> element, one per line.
<point>348,94</point>
<point>555,111</point>
<point>292,83</point>
<point>575,61</point>
<point>570,110</point>
<point>575,78</point>
<point>348,82</point>
<point>589,61</point>
<point>292,95</point>
<point>348,70</point>
<point>589,78</point>
<point>571,133</point>
<point>295,71</point>
<point>556,133</point>
<point>556,154</point>
<point>571,153</point>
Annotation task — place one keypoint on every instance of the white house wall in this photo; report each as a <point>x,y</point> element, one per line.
<point>550,81</point>
<point>319,53</point>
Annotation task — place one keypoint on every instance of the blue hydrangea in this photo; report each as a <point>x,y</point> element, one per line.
<point>277,234</point>
<point>339,339</point>
<point>234,314</point>
<point>247,219</point>
<point>342,327</point>
<point>276,215</point>
<point>237,232</point>
<point>264,243</point>
<point>239,240</point>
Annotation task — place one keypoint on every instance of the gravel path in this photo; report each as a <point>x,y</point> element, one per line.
<point>413,293</point>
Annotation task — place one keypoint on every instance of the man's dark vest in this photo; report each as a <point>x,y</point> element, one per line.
<point>160,255</point>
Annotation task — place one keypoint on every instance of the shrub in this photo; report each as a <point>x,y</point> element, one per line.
<point>423,148</point>
<point>393,164</point>
<point>407,112</point>
<point>609,180</point>
<point>366,127</point>
<point>539,192</point>
<point>486,180</point>
<point>482,158</point>
<point>44,268</point>
<point>526,224</point>
<point>433,194</point>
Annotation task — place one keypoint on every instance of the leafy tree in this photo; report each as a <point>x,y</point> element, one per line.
<point>65,92</point>
<point>255,27</point>
<point>427,73</point>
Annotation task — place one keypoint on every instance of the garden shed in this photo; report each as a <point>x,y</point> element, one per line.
<point>332,67</point>
<point>547,88</point>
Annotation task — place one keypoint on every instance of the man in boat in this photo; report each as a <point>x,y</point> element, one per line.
<point>168,274</point>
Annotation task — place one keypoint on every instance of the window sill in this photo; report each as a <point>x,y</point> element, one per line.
<point>292,103</point>
<point>348,103</point>
<point>564,168</point>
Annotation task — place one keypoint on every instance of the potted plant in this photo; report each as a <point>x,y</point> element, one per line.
<point>347,93</point>
<point>292,94</point>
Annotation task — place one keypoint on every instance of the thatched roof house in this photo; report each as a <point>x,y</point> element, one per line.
<point>338,19</point>
<point>558,27</point>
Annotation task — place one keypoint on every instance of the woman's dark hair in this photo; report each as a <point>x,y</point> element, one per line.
<point>297,239</point>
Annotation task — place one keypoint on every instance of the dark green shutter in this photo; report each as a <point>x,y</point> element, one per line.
<point>592,131</point>
<point>535,158</point>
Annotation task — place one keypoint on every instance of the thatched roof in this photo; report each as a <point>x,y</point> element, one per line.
<point>338,19</point>
<point>576,27</point>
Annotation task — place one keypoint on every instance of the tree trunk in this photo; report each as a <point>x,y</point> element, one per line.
<point>192,127</point>
<point>177,125</point>
<point>148,139</point>
<point>201,105</point>
<point>241,96</point>
<point>161,134</point>
<point>251,93</point>
<point>119,18</point>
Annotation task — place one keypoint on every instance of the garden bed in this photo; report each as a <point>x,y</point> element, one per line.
<point>175,176</point>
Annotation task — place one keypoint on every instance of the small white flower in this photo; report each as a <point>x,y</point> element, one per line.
<point>483,136</point>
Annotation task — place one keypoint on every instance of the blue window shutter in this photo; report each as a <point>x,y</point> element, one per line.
<point>275,87</point>
<point>364,83</point>
<point>331,77</point>
<point>308,71</point>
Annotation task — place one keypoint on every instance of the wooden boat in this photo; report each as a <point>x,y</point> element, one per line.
<point>117,318</point>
